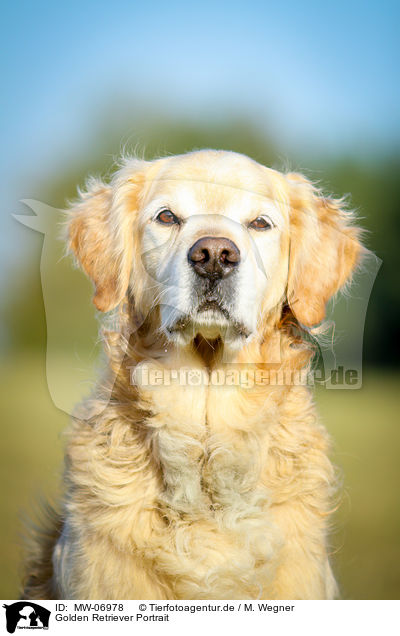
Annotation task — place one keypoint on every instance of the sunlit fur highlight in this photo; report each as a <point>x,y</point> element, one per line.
<point>196,491</point>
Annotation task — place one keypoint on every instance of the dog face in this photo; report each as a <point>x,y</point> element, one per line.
<point>216,241</point>
<point>215,245</point>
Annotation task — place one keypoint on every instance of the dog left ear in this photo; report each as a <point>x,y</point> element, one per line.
<point>325,249</point>
<point>101,228</point>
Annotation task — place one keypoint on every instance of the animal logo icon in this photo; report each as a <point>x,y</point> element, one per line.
<point>26,615</point>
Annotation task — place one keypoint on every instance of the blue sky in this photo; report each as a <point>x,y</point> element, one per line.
<point>318,73</point>
<point>322,76</point>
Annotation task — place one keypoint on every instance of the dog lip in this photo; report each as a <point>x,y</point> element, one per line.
<point>211,304</point>
<point>179,325</point>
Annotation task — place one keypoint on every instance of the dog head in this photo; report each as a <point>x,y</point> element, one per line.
<point>215,241</point>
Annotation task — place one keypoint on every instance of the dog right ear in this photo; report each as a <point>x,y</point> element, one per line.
<point>100,231</point>
<point>325,249</point>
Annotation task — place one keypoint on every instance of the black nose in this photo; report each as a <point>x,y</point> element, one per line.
<point>214,257</point>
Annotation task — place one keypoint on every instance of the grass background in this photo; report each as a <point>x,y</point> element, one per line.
<point>363,424</point>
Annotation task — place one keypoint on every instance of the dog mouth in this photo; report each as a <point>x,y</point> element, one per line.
<point>210,312</point>
<point>213,305</point>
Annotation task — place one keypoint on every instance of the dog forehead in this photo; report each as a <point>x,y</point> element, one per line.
<point>213,182</point>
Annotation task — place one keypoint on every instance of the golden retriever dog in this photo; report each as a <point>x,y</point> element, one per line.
<point>192,472</point>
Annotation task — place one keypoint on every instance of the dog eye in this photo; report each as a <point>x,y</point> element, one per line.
<point>261,223</point>
<point>166,217</point>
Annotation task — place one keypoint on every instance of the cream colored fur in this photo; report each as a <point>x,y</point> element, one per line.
<point>200,491</point>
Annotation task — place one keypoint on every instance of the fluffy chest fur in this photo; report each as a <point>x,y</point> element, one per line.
<point>196,491</point>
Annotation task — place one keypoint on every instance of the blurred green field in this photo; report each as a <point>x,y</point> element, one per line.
<point>363,423</point>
